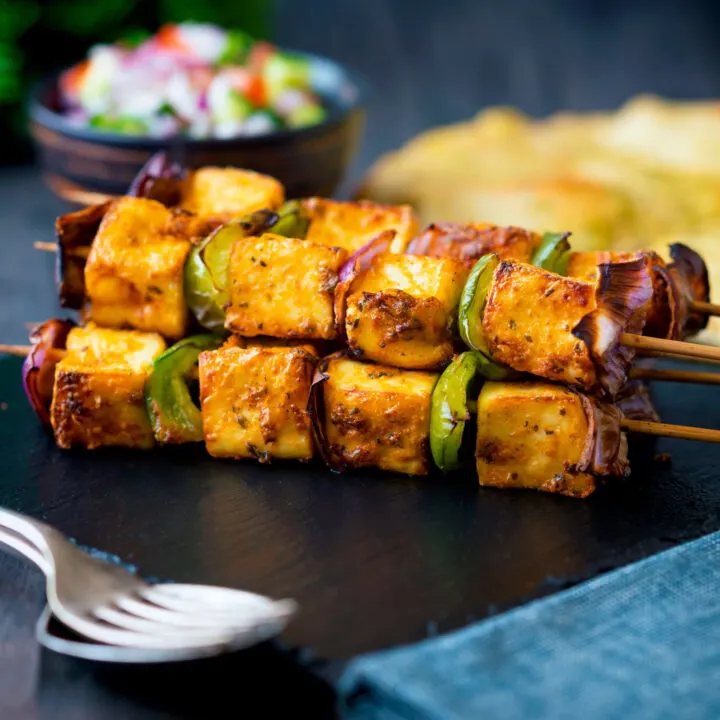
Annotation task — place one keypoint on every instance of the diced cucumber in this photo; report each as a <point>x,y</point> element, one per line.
<point>305,115</point>
<point>285,70</point>
<point>125,125</point>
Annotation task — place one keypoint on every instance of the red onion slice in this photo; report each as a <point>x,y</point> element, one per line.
<point>606,449</point>
<point>160,179</point>
<point>622,295</point>
<point>316,410</point>
<point>691,277</point>
<point>38,371</point>
<point>359,261</point>
<point>74,234</point>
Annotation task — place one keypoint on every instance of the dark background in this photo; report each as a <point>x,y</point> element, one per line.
<point>427,62</point>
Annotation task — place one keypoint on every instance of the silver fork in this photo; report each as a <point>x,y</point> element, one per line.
<point>108,604</point>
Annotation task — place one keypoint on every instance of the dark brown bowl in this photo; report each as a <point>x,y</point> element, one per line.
<point>85,165</point>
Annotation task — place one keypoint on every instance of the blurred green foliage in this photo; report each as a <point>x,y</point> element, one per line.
<point>39,37</point>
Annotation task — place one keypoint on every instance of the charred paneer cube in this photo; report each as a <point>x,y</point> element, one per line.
<point>401,310</point>
<point>528,321</point>
<point>469,242</point>
<point>283,287</point>
<point>350,225</point>
<point>254,401</point>
<point>376,416</point>
<point>584,265</point>
<point>134,271</point>
<point>227,193</point>
<point>98,394</point>
<point>532,435</point>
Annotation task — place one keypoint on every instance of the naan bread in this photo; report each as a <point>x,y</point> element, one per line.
<point>643,176</point>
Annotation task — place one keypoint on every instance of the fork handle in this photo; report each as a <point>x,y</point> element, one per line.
<point>37,533</point>
<point>24,548</point>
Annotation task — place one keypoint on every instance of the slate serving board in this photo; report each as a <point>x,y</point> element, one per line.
<point>373,559</point>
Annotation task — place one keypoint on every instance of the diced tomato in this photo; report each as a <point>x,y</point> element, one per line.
<point>168,38</point>
<point>71,80</point>
<point>250,84</point>
<point>259,54</point>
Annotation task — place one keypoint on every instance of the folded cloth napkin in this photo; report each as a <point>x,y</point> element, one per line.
<point>640,642</point>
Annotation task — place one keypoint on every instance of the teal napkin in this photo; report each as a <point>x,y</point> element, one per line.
<point>640,642</point>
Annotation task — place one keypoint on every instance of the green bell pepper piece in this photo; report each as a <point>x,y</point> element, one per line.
<point>292,221</point>
<point>174,416</point>
<point>472,303</point>
<point>450,409</point>
<point>206,268</point>
<point>553,253</point>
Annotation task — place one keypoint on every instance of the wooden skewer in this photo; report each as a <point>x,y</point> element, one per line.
<point>17,350</point>
<point>81,252</point>
<point>644,427</point>
<point>687,376</point>
<point>670,347</point>
<point>704,308</point>
<point>684,432</point>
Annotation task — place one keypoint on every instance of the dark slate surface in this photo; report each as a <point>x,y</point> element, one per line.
<point>373,561</point>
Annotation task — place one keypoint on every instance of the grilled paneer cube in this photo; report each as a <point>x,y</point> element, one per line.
<point>528,321</point>
<point>401,310</point>
<point>531,435</point>
<point>254,401</point>
<point>134,272</point>
<point>227,193</point>
<point>98,395</point>
<point>584,265</point>
<point>377,416</point>
<point>351,225</point>
<point>283,287</point>
<point>470,242</point>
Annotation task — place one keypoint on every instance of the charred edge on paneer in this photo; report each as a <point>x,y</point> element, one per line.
<point>468,243</point>
<point>98,392</point>
<point>368,415</point>
<point>134,272</point>
<point>547,437</point>
<point>402,310</point>
<point>254,400</point>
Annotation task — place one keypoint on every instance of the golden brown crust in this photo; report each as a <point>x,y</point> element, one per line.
<point>254,402</point>
<point>98,392</point>
<point>134,272</point>
<point>351,225</point>
<point>396,328</point>
<point>283,287</point>
<point>95,408</point>
<point>401,310</point>
<point>470,242</point>
<point>528,322</point>
<point>373,416</point>
<point>532,435</point>
<point>224,193</point>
